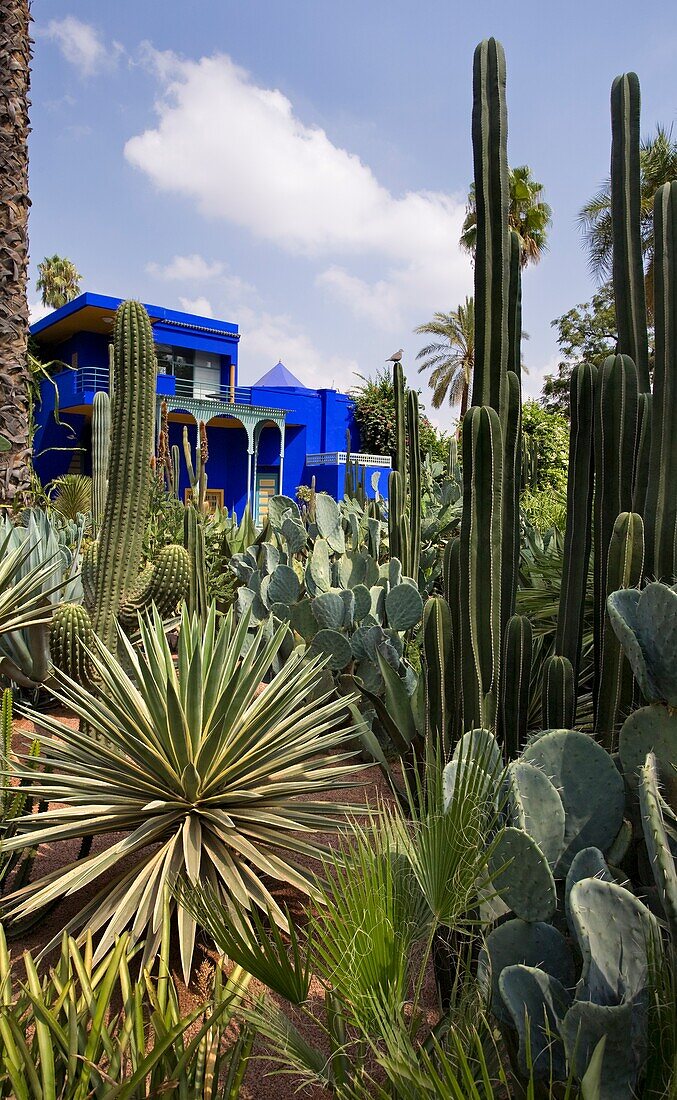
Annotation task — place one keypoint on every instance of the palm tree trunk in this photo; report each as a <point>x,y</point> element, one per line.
<point>15,57</point>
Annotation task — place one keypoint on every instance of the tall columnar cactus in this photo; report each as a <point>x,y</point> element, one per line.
<point>480,551</point>
<point>661,502</point>
<point>628,265</point>
<point>578,535</point>
<point>175,460</point>
<point>112,579</point>
<point>511,426</point>
<point>414,451</point>
<point>624,570</point>
<point>515,306</point>
<point>101,416</point>
<point>397,530</point>
<point>616,437</point>
<point>515,687</point>
<point>641,482</point>
<point>348,479</point>
<point>439,674</point>
<point>558,707</point>
<point>194,542</point>
<point>132,440</point>
<point>400,457</point>
<point>197,471</point>
<point>492,250</point>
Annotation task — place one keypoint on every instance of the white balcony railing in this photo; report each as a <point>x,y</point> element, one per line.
<point>339,458</point>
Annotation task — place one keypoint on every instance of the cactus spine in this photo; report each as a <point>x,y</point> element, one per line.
<point>101,415</point>
<point>661,509</point>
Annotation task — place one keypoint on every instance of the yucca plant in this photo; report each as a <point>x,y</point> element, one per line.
<point>72,495</point>
<point>41,562</point>
<point>86,1029</point>
<point>13,801</point>
<point>22,597</point>
<point>388,889</point>
<point>200,770</point>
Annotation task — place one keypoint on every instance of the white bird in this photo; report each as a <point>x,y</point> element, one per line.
<point>396,357</point>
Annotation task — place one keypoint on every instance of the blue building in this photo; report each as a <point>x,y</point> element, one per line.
<point>265,438</point>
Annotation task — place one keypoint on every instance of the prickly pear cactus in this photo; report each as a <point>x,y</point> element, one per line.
<point>646,625</point>
<point>324,581</point>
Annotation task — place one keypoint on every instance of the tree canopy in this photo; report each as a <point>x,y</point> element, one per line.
<point>585,334</point>
<point>658,165</point>
<point>58,281</point>
<point>374,403</point>
<point>528,214</point>
<point>450,357</point>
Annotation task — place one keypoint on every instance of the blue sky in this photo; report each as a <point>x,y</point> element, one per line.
<point>300,167</point>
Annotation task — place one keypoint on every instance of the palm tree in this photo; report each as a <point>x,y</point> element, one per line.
<point>59,281</point>
<point>450,358</point>
<point>657,165</point>
<point>527,214</point>
<point>15,375</point>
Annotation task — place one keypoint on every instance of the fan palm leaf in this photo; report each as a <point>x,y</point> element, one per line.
<point>657,165</point>
<point>528,215</point>
<point>450,358</point>
<point>199,771</point>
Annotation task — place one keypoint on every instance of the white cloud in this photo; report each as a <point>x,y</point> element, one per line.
<point>186,269</point>
<point>268,337</point>
<point>255,164</point>
<point>82,45</point>
<point>532,382</point>
<point>201,306</point>
<point>36,311</point>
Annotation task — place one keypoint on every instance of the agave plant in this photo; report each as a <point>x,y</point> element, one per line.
<point>22,593</point>
<point>40,563</point>
<point>87,1029</point>
<point>200,770</point>
<point>73,495</point>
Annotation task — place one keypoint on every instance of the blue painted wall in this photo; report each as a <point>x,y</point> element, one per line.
<point>316,420</point>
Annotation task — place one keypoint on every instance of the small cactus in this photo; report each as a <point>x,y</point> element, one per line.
<point>70,637</point>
